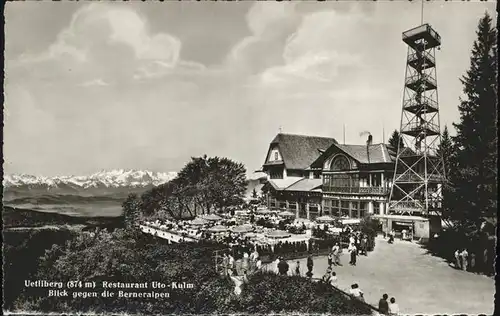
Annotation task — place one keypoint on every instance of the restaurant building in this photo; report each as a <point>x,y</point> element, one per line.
<point>314,176</point>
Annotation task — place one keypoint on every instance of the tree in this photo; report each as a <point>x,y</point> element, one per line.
<point>128,256</point>
<point>393,141</point>
<point>446,150</point>
<point>203,184</point>
<point>131,208</point>
<point>476,140</point>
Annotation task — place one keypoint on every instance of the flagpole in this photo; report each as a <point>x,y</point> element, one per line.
<point>344,133</point>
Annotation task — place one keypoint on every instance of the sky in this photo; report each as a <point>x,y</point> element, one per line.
<point>110,85</point>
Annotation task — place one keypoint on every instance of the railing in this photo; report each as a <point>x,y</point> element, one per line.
<point>424,101</point>
<point>356,190</point>
<point>422,28</point>
<point>415,56</point>
<point>414,126</point>
<point>411,177</point>
<point>176,237</point>
<point>419,79</point>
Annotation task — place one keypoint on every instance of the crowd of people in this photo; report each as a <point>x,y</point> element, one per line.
<point>248,263</point>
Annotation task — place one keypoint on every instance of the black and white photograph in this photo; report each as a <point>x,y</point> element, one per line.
<point>250,157</point>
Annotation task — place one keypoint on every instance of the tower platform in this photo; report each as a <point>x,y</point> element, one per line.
<point>422,37</point>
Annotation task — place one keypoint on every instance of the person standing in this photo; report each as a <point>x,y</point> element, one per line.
<point>277,262</point>
<point>465,256</point>
<point>351,239</point>
<point>297,269</point>
<point>283,267</point>
<point>352,250</point>
<point>457,259</point>
<point>363,245</point>
<point>473,262</point>
<point>258,265</point>
<point>330,259</point>
<point>245,277</point>
<point>310,265</point>
<point>335,253</point>
<point>254,256</point>
<point>383,305</point>
<point>231,262</point>
<point>393,307</point>
<point>225,263</point>
<point>245,262</point>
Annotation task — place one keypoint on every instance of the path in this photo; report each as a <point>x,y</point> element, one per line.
<point>420,282</point>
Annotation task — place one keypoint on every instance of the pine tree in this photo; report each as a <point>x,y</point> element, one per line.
<point>476,142</point>
<point>393,141</point>
<point>446,150</point>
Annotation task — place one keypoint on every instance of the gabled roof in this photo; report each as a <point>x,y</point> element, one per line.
<point>376,153</point>
<point>296,184</point>
<point>305,185</point>
<point>299,151</point>
<point>281,184</point>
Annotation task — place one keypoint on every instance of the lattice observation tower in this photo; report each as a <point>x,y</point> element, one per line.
<point>419,170</point>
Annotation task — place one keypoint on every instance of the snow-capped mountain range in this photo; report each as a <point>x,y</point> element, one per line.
<point>100,183</point>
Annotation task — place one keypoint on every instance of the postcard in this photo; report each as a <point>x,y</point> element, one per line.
<point>213,157</point>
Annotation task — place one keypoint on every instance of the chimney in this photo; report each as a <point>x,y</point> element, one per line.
<point>368,143</point>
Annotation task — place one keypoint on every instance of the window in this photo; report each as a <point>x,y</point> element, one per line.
<point>340,163</point>
<point>276,156</point>
<point>277,174</point>
<point>363,206</point>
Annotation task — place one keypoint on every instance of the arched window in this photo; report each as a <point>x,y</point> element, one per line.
<point>340,163</point>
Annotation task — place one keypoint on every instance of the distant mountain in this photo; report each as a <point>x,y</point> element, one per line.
<point>114,182</point>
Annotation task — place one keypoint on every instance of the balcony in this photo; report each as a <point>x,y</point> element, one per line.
<point>356,190</point>
<point>421,61</point>
<point>421,83</point>
<point>422,37</point>
<point>413,178</point>
<point>425,106</point>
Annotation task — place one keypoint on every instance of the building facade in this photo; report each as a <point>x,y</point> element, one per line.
<point>315,176</point>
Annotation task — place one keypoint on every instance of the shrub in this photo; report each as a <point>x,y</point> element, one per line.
<point>270,293</point>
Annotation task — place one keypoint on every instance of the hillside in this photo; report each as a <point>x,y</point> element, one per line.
<point>15,217</point>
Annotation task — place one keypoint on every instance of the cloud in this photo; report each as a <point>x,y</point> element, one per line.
<point>316,51</point>
<point>270,24</point>
<point>95,82</point>
<point>108,41</point>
